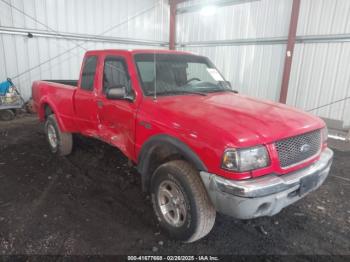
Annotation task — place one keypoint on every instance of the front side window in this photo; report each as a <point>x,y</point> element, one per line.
<point>168,74</point>
<point>88,75</point>
<point>115,74</point>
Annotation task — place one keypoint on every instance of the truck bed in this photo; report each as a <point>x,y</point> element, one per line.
<point>60,95</point>
<point>64,82</point>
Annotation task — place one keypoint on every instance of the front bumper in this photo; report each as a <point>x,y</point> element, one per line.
<point>267,195</point>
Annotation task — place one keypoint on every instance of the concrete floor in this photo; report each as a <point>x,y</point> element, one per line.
<point>91,203</point>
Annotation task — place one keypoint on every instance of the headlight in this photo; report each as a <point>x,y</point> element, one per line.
<point>324,134</point>
<point>243,160</point>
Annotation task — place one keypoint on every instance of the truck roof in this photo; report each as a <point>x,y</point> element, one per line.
<point>138,51</point>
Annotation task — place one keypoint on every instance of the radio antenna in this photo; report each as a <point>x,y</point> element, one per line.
<point>155,75</point>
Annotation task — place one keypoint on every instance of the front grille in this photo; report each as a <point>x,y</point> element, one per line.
<point>298,148</point>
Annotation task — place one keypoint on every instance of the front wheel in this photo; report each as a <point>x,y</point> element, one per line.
<point>60,143</point>
<point>181,202</point>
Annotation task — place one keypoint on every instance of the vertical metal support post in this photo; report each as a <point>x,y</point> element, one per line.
<point>172,29</point>
<point>290,50</point>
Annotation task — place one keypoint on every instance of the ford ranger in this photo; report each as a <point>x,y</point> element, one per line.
<point>199,146</point>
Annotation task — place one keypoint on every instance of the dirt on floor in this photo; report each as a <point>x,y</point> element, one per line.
<point>91,203</point>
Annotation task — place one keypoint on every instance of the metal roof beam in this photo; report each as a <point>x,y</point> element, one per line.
<point>220,3</point>
<point>83,37</point>
<point>269,41</point>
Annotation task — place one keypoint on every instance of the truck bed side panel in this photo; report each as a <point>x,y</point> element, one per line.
<point>59,98</point>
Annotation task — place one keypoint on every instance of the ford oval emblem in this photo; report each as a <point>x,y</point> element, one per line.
<point>305,148</point>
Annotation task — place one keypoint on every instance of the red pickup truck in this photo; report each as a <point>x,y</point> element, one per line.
<point>198,145</point>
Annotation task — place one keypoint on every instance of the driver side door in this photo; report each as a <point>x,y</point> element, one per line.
<point>117,116</point>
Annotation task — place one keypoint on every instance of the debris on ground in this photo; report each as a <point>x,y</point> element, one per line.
<point>262,230</point>
<point>321,208</point>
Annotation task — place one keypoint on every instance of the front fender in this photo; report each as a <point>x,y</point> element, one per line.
<point>174,144</point>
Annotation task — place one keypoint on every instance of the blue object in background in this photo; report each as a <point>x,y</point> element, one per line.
<point>4,87</point>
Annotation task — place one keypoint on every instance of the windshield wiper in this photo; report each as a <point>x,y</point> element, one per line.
<point>232,91</point>
<point>223,90</point>
<point>182,92</point>
<point>193,92</point>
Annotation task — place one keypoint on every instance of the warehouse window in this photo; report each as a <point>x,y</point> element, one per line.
<point>115,74</point>
<point>88,75</point>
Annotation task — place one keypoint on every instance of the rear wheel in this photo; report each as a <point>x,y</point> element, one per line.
<point>7,115</point>
<point>181,202</point>
<point>60,143</point>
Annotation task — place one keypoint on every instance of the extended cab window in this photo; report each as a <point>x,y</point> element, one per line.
<point>88,75</point>
<point>115,74</point>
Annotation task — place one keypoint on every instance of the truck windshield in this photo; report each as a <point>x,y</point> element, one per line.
<point>170,74</point>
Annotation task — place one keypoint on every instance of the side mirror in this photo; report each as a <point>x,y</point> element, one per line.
<point>115,93</point>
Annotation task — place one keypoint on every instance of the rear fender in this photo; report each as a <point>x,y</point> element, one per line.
<point>45,101</point>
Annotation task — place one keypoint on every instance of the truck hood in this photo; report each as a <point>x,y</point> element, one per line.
<point>240,120</point>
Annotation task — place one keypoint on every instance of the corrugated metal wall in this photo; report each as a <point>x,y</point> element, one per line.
<point>257,19</point>
<point>320,71</point>
<point>19,53</point>
<point>252,69</point>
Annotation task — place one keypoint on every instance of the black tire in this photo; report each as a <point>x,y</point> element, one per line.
<point>64,141</point>
<point>7,115</point>
<point>200,216</point>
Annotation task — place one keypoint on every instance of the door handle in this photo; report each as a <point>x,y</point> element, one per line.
<point>99,104</point>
